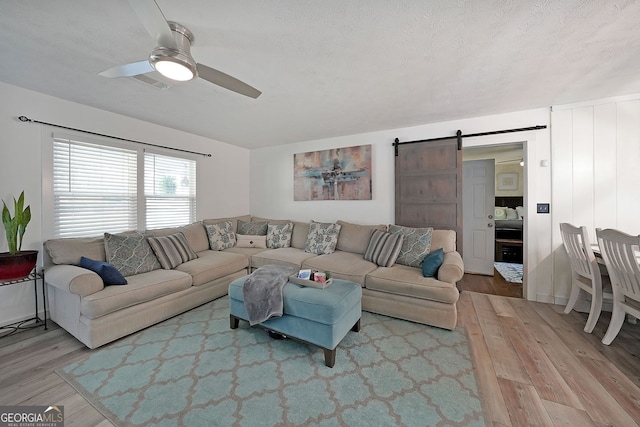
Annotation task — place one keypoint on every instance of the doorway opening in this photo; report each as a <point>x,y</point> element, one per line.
<point>494,197</point>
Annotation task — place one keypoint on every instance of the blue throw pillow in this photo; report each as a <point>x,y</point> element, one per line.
<point>109,274</point>
<point>432,263</point>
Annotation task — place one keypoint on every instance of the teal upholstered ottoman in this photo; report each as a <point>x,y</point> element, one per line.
<point>322,317</point>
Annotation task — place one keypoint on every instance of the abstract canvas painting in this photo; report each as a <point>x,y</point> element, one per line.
<point>336,174</point>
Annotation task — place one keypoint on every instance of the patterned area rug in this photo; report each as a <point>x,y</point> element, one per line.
<point>193,370</point>
<point>512,273</point>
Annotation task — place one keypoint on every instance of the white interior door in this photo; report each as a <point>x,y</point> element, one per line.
<point>478,198</point>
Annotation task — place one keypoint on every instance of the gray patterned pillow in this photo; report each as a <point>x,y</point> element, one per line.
<point>322,238</point>
<point>415,246</point>
<point>279,235</point>
<point>221,235</point>
<point>252,228</point>
<point>130,253</point>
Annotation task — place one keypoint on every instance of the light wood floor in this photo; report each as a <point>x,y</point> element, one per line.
<point>534,364</point>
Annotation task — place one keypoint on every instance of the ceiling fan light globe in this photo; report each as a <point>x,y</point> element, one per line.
<point>174,70</point>
<point>175,65</point>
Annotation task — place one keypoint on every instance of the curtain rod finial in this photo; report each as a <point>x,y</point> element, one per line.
<point>24,119</point>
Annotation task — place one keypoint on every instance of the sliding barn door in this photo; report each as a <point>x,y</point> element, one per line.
<point>429,185</point>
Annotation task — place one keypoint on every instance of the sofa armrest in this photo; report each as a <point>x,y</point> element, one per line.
<point>73,279</point>
<point>452,268</point>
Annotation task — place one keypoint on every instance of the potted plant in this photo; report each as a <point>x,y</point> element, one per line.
<point>16,264</point>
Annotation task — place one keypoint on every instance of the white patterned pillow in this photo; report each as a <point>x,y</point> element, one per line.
<point>130,253</point>
<point>279,235</point>
<point>221,235</point>
<point>415,246</point>
<point>172,250</point>
<point>322,238</point>
<point>251,241</point>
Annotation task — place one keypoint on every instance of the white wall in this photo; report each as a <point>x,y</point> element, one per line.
<point>596,173</point>
<point>272,181</point>
<point>222,181</point>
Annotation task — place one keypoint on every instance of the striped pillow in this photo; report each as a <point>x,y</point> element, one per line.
<point>383,248</point>
<point>172,250</point>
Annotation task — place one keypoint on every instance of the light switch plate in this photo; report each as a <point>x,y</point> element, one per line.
<point>543,208</point>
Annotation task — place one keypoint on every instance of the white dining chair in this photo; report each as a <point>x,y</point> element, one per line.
<point>585,273</point>
<point>621,254</point>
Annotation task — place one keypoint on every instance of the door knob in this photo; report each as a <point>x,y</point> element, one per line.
<point>490,217</point>
<point>490,225</point>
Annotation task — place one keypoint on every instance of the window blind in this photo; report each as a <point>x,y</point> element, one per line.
<point>94,188</point>
<point>169,190</point>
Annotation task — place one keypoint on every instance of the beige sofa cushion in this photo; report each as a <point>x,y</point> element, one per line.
<point>408,281</point>
<point>70,250</point>
<point>288,257</point>
<point>445,239</point>
<point>355,238</point>
<point>299,235</point>
<point>342,265</point>
<point>141,288</point>
<point>195,233</point>
<point>212,265</point>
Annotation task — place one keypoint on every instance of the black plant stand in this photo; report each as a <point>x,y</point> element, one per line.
<point>27,323</point>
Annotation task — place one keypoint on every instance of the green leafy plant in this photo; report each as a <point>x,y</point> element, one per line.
<point>16,226</point>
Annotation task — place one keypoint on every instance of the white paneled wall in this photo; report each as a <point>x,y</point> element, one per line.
<point>595,173</point>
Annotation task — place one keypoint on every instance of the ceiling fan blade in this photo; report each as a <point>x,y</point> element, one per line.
<point>154,21</point>
<point>128,70</point>
<point>226,81</point>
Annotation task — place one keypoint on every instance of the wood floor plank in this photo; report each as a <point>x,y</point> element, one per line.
<point>601,407</point>
<point>543,374</point>
<point>27,389</point>
<point>488,386</point>
<point>624,391</point>
<point>576,339</point>
<point>566,416</point>
<point>505,360</point>
<point>525,406</point>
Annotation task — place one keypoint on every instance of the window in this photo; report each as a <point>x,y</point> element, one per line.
<point>169,190</point>
<point>96,189</point>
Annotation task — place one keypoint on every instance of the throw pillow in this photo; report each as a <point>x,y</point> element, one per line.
<point>384,248</point>
<point>279,235</point>
<point>221,235</point>
<point>500,212</point>
<point>322,238</point>
<point>250,241</point>
<point>130,253</point>
<point>415,246</point>
<point>432,262</point>
<point>172,250</point>
<point>512,214</point>
<point>252,228</point>
<point>109,274</point>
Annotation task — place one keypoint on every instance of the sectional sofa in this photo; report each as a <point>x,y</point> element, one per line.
<point>97,314</point>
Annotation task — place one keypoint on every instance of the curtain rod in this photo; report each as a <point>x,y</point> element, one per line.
<point>459,135</point>
<point>27,119</point>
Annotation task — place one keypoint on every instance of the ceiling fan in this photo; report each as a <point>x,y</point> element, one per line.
<point>172,56</point>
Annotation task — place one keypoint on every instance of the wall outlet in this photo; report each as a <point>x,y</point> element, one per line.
<point>543,208</point>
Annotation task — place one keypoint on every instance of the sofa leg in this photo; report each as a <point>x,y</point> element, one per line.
<point>233,321</point>
<point>356,327</point>
<point>329,357</point>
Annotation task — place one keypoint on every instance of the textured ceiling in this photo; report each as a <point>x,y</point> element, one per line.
<point>331,67</point>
